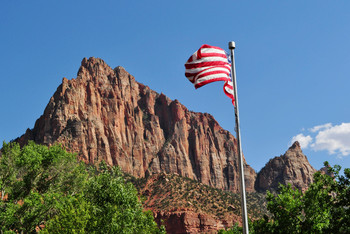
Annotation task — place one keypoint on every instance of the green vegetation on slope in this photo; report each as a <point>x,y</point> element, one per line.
<point>167,192</point>
<point>46,189</point>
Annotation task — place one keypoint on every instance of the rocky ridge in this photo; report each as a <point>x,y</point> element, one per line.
<point>104,114</point>
<point>291,168</point>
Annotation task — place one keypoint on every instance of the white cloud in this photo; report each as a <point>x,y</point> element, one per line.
<point>303,140</point>
<point>334,139</point>
<point>320,127</point>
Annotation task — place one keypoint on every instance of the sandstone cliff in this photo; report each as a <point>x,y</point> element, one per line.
<point>104,114</point>
<point>292,167</point>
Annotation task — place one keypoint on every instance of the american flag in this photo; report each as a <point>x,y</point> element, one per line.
<point>209,64</point>
<point>228,89</point>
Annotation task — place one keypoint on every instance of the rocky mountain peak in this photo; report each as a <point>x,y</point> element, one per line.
<point>295,147</point>
<point>291,168</point>
<point>294,152</point>
<point>104,114</point>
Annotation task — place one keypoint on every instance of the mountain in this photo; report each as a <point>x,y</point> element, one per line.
<point>104,114</point>
<point>292,167</point>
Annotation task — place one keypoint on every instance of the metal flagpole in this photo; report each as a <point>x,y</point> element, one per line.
<point>232,46</point>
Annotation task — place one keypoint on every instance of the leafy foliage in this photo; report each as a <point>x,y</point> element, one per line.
<point>236,229</point>
<point>73,216</point>
<point>323,208</point>
<point>46,189</point>
<point>32,178</point>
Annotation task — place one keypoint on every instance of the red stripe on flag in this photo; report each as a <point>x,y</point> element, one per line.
<point>209,46</point>
<point>228,90</point>
<point>199,52</point>
<point>213,55</point>
<point>205,64</point>
<point>209,81</point>
<point>209,64</point>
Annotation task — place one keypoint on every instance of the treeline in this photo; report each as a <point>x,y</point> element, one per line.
<point>323,208</point>
<point>46,189</point>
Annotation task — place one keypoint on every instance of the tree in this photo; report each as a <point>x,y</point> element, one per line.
<point>323,208</point>
<point>47,189</point>
<point>109,205</point>
<point>7,168</point>
<point>34,178</point>
<point>73,216</point>
<point>340,200</point>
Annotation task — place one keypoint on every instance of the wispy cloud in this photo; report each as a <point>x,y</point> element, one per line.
<point>303,140</point>
<point>334,139</point>
<point>320,127</point>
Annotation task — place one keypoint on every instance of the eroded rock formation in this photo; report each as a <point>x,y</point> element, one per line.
<point>188,221</point>
<point>292,167</point>
<point>104,114</point>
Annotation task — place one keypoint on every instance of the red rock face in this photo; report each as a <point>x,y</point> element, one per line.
<point>104,114</point>
<point>291,168</point>
<point>187,221</point>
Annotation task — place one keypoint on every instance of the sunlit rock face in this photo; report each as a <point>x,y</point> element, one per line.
<point>104,114</point>
<point>291,168</point>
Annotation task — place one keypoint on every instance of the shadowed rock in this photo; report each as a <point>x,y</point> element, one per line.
<point>291,168</point>
<point>104,114</point>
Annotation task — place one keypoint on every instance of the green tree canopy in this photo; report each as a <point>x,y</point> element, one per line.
<point>47,189</point>
<point>109,205</point>
<point>323,208</point>
<point>33,178</point>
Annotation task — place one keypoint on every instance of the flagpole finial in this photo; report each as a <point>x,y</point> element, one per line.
<point>231,45</point>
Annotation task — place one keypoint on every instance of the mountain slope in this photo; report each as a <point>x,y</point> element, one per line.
<point>292,167</point>
<point>104,114</point>
<point>187,206</point>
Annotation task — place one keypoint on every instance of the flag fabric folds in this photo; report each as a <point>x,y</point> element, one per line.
<point>228,89</point>
<point>209,64</point>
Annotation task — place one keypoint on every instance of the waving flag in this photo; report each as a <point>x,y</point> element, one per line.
<point>209,64</point>
<point>228,89</point>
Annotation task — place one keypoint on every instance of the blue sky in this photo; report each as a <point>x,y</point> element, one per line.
<point>292,62</point>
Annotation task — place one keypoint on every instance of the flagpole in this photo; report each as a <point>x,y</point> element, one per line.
<point>232,46</point>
